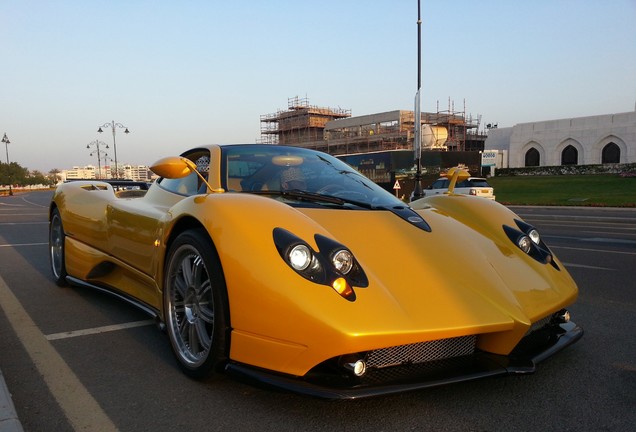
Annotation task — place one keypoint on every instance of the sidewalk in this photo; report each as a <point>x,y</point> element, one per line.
<point>9,421</point>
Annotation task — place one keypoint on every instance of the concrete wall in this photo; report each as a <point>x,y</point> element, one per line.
<point>589,135</point>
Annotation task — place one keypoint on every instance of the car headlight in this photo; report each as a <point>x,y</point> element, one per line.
<point>299,257</point>
<point>343,261</point>
<point>534,236</point>
<point>524,243</point>
<point>332,265</point>
<point>527,238</point>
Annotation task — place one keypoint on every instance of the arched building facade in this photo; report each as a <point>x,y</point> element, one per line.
<point>603,139</point>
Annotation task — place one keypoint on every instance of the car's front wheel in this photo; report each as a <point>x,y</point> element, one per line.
<point>195,304</point>
<point>57,258</point>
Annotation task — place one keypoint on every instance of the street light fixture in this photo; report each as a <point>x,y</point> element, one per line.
<point>114,126</point>
<point>5,140</point>
<point>96,144</point>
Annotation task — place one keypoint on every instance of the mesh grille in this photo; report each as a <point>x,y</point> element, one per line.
<point>538,324</point>
<point>422,352</point>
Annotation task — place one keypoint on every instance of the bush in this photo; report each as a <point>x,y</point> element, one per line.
<point>624,170</point>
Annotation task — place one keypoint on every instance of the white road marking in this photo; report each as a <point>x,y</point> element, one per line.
<point>11,205</point>
<point>32,203</point>
<point>593,250</point>
<point>587,266</point>
<point>97,330</point>
<point>22,244</point>
<point>79,406</point>
<point>23,223</point>
<point>21,214</point>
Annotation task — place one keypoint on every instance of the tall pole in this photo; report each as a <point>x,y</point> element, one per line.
<point>97,143</point>
<point>417,139</point>
<point>5,140</point>
<point>115,150</point>
<point>113,126</point>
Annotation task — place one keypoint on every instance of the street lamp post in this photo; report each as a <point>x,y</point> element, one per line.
<point>114,126</point>
<point>417,140</point>
<point>5,140</point>
<point>96,144</point>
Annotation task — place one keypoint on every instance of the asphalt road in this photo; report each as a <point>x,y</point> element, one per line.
<point>74,359</point>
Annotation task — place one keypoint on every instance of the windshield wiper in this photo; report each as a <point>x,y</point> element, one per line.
<point>402,211</point>
<point>301,195</point>
<point>316,197</point>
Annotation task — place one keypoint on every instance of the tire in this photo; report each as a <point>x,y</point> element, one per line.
<point>57,258</point>
<point>195,304</point>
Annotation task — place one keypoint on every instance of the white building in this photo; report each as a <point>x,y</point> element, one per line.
<point>76,173</point>
<point>89,172</point>
<point>136,172</point>
<point>609,138</point>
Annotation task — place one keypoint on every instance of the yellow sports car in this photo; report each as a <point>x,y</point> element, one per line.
<point>287,267</point>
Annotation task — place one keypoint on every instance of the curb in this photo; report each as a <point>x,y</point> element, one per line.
<point>9,421</point>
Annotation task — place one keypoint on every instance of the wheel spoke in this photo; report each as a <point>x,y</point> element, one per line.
<point>180,287</point>
<point>202,335</point>
<point>184,328</point>
<point>204,290</point>
<point>206,313</point>
<point>186,270</point>
<point>193,339</point>
<point>206,303</point>
<point>179,308</point>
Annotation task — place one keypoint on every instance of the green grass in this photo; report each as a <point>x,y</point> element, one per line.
<point>572,190</point>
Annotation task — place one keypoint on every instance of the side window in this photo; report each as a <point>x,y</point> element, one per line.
<point>183,186</point>
<point>188,185</point>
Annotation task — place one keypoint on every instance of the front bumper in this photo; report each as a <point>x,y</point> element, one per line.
<point>533,349</point>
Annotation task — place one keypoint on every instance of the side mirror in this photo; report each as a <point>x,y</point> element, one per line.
<point>172,167</point>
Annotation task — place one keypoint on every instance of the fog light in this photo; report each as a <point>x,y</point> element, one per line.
<point>562,316</point>
<point>358,368</point>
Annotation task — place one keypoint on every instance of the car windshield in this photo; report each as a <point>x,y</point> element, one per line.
<point>299,175</point>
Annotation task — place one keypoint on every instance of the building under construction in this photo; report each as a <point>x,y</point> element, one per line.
<point>300,124</point>
<point>336,132</point>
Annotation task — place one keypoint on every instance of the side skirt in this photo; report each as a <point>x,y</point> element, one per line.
<point>154,313</point>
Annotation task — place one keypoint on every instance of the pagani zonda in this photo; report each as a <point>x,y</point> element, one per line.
<point>288,267</point>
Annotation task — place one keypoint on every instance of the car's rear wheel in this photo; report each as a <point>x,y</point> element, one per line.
<point>57,258</point>
<point>195,304</point>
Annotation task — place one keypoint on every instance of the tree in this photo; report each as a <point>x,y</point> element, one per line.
<point>12,173</point>
<point>19,176</point>
<point>54,177</point>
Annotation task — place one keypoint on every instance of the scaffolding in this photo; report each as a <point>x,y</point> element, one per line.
<point>299,124</point>
<point>336,132</point>
<point>460,129</point>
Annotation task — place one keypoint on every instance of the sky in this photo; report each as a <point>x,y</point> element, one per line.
<point>183,73</point>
